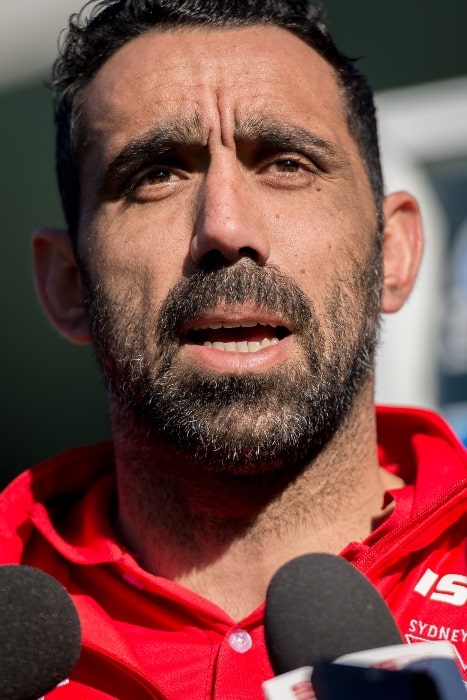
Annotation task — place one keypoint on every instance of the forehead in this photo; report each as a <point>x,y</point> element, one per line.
<point>212,76</point>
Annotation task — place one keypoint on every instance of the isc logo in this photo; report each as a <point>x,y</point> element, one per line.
<point>451,588</point>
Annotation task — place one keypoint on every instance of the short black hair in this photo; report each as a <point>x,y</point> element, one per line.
<point>93,38</point>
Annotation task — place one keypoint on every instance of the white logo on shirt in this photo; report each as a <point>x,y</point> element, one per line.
<point>450,588</point>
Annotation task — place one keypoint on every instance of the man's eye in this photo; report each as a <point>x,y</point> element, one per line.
<point>145,184</point>
<point>289,172</point>
<point>291,166</point>
<point>299,170</point>
<point>288,165</point>
<point>154,176</point>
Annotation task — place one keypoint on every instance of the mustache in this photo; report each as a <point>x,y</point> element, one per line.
<point>245,283</point>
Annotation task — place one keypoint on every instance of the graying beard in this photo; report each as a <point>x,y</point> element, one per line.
<point>292,412</point>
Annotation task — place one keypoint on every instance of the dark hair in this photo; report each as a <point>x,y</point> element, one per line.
<point>93,38</point>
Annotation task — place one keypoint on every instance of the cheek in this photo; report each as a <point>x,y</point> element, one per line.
<point>136,257</point>
<point>307,241</point>
<point>325,226</point>
<point>319,245</point>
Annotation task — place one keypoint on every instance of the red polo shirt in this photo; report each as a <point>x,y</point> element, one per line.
<point>148,637</point>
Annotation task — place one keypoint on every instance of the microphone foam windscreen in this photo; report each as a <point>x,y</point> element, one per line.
<point>319,607</point>
<point>40,634</point>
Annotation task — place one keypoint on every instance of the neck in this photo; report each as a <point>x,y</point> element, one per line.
<point>224,536</point>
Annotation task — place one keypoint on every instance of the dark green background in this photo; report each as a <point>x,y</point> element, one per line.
<point>51,394</point>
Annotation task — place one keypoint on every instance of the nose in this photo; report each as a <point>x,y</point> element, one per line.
<point>229,225</point>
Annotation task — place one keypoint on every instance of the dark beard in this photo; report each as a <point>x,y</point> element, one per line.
<point>239,423</point>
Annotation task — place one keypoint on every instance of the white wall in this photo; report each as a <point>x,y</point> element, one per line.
<point>424,123</point>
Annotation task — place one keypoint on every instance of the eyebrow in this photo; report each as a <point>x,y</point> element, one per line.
<point>266,133</point>
<point>277,135</point>
<point>157,142</point>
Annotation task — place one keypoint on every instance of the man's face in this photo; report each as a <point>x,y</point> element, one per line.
<point>227,237</point>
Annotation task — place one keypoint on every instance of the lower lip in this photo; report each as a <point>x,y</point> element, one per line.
<point>227,361</point>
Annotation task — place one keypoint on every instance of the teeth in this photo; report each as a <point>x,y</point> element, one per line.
<point>243,346</point>
<point>233,324</point>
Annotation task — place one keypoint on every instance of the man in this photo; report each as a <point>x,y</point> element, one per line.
<point>228,253</point>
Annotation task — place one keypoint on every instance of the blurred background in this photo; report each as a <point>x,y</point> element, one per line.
<point>415,56</point>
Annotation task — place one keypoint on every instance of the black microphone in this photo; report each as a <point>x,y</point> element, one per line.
<point>319,607</point>
<point>320,610</point>
<point>40,634</point>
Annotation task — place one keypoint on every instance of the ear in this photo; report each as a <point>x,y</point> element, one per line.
<point>59,285</point>
<point>402,249</point>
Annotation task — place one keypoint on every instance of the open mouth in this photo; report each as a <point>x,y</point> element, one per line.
<point>237,336</point>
